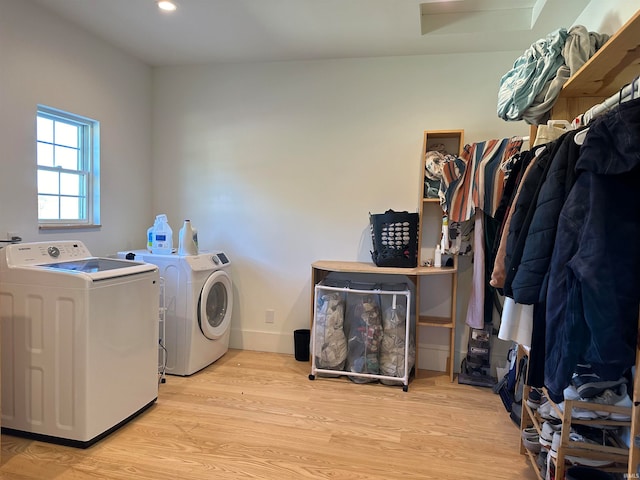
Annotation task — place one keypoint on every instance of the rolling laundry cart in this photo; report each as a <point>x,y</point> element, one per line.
<point>364,331</point>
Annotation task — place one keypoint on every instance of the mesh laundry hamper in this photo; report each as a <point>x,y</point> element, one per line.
<point>363,329</point>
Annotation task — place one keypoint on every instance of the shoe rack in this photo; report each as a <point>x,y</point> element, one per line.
<point>616,453</point>
<point>634,454</point>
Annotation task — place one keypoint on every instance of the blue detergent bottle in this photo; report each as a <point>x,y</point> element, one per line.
<point>162,243</point>
<point>150,231</point>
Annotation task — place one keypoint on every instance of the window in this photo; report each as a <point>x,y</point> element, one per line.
<point>68,169</point>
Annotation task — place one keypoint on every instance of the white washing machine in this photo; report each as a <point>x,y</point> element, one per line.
<point>79,341</point>
<point>198,296</point>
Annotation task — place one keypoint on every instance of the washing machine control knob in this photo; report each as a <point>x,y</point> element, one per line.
<point>215,260</point>
<point>53,252</point>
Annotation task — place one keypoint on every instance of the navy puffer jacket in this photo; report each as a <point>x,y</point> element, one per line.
<point>523,212</point>
<point>536,256</point>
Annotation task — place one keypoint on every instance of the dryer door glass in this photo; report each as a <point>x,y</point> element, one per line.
<point>216,299</point>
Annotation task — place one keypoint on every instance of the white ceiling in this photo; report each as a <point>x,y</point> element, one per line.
<point>205,31</point>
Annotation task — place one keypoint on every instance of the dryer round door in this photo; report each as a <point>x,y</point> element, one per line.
<point>214,309</point>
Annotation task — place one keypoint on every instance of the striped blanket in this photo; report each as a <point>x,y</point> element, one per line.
<point>476,178</point>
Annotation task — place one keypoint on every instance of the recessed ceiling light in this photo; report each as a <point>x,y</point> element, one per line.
<point>167,5</point>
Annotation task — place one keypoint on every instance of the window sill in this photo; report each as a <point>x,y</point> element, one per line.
<point>67,226</point>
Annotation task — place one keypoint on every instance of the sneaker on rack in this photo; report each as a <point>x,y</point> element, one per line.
<point>619,399</point>
<point>571,393</point>
<point>542,460</point>
<point>589,384</point>
<point>580,413</point>
<point>548,412</point>
<point>576,437</point>
<point>547,433</point>
<point>555,444</point>
<point>534,399</point>
<point>588,462</point>
<point>531,442</point>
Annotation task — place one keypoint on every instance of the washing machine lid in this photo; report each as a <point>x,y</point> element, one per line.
<point>100,268</point>
<point>70,258</point>
<point>215,305</point>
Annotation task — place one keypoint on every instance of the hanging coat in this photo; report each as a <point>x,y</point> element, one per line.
<point>594,280</point>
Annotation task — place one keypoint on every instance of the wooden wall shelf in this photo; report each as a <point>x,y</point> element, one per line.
<point>612,67</point>
<point>616,64</point>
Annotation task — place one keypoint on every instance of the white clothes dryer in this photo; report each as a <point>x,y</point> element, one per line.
<point>198,294</point>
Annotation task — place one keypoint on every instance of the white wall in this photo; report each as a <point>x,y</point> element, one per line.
<point>609,16</point>
<point>279,164</point>
<point>46,60</point>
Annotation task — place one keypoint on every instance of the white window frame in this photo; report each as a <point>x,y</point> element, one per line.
<point>89,151</point>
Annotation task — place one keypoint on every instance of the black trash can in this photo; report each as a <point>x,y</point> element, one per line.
<point>301,340</point>
<point>587,473</point>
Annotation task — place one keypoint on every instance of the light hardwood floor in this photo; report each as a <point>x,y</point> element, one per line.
<point>255,415</point>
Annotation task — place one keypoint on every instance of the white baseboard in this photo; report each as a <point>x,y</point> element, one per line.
<point>261,341</point>
<point>431,356</point>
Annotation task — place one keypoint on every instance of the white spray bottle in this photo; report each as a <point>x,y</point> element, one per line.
<point>437,257</point>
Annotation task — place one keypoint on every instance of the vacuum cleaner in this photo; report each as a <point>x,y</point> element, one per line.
<point>475,369</point>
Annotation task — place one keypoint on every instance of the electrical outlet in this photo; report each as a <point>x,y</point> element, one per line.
<point>270,316</point>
